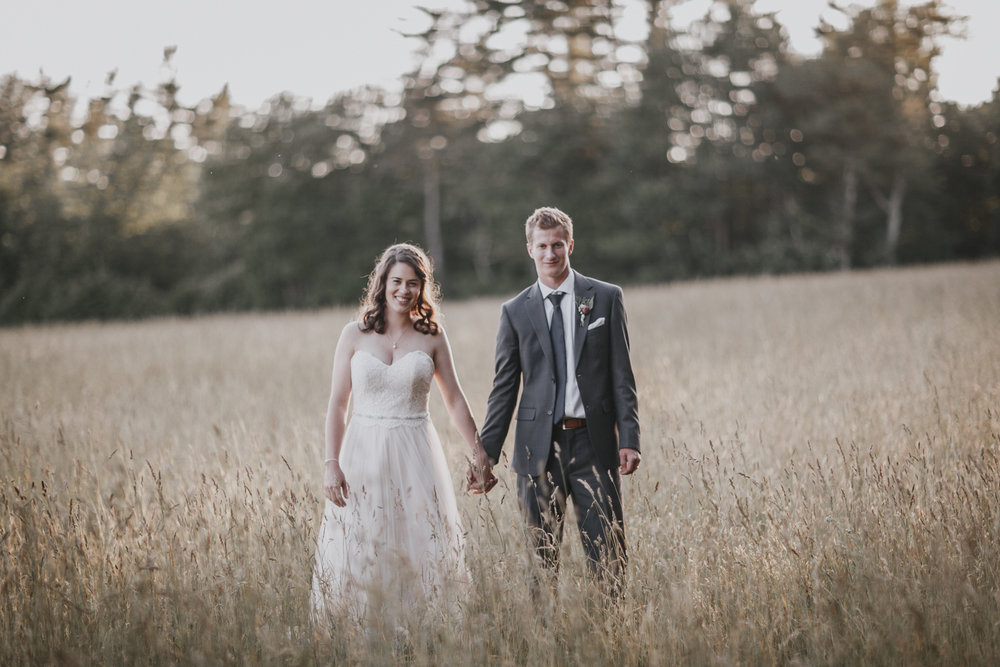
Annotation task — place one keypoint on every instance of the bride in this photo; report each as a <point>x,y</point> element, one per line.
<point>390,537</point>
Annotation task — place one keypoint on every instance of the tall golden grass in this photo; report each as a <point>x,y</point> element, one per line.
<point>820,485</point>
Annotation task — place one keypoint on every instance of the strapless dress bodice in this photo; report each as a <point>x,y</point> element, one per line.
<point>398,390</point>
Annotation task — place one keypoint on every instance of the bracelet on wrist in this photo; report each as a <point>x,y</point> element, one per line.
<point>330,460</point>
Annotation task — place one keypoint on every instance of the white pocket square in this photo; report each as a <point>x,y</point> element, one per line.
<point>596,323</point>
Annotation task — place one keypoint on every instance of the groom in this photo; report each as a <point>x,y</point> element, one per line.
<point>565,338</point>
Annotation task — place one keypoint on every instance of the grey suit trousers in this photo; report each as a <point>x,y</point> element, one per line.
<point>574,472</point>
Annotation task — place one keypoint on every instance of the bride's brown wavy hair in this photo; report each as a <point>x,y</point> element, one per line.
<point>424,311</point>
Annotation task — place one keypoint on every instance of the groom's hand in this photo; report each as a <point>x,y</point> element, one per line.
<point>490,481</point>
<point>481,483</point>
<point>628,460</point>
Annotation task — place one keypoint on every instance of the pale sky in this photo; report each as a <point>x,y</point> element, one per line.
<point>317,48</point>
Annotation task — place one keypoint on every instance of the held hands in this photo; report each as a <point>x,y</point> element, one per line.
<point>479,477</point>
<point>335,484</point>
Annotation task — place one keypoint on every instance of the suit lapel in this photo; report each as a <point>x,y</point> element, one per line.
<point>536,313</point>
<point>584,290</point>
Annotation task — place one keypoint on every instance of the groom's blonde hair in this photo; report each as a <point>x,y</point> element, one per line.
<point>548,217</point>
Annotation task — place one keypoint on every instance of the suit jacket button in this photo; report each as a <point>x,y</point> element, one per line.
<point>549,413</point>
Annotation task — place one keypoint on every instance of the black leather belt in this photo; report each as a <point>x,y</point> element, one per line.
<point>570,423</point>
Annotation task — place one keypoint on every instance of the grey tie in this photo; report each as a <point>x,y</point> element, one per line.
<point>558,337</point>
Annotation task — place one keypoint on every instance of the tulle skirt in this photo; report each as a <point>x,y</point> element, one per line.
<point>397,547</point>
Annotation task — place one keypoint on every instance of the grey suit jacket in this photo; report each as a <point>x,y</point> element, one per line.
<point>604,374</point>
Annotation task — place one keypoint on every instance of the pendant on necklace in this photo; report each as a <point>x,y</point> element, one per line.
<point>395,343</point>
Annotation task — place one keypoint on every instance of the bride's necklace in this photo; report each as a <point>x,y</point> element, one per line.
<point>398,338</point>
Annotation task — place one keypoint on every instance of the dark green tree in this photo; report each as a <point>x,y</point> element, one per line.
<point>964,218</point>
<point>884,62</point>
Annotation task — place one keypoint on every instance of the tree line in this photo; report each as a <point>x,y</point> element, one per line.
<point>704,152</point>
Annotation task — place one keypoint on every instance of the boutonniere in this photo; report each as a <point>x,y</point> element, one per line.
<point>583,306</point>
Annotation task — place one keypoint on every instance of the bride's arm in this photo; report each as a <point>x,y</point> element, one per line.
<point>458,405</point>
<point>334,483</point>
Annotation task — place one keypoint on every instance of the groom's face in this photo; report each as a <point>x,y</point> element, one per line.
<point>551,250</point>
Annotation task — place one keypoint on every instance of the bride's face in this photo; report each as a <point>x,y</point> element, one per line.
<point>402,288</point>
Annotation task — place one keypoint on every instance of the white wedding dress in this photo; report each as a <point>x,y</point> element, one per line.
<point>397,545</point>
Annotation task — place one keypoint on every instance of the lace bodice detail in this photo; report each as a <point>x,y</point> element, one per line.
<point>396,391</point>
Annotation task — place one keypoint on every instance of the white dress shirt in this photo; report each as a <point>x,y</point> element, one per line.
<point>574,403</point>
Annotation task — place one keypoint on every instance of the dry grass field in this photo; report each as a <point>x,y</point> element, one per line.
<point>820,485</point>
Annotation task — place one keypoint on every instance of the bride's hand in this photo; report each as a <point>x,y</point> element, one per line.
<point>335,484</point>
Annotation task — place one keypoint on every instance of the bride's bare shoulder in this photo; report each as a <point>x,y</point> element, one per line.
<point>439,342</point>
<point>351,333</point>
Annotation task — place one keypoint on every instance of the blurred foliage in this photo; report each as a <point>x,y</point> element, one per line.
<point>712,151</point>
